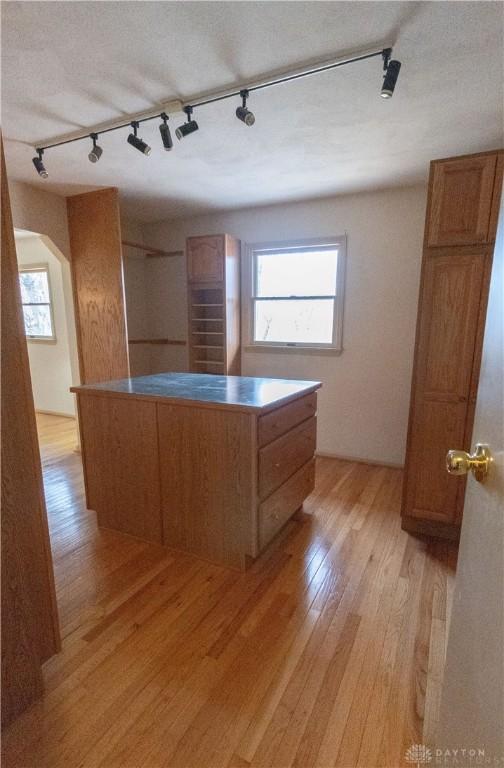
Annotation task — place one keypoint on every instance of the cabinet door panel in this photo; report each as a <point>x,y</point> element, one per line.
<point>449,318</point>
<point>432,493</point>
<point>121,465</point>
<point>205,259</point>
<point>461,201</point>
<point>450,305</point>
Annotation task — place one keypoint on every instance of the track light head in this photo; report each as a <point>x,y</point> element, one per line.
<point>97,151</point>
<point>244,114</point>
<point>136,142</point>
<point>390,78</point>
<point>188,127</point>
<point>164,130</point>
<point>39,164</point>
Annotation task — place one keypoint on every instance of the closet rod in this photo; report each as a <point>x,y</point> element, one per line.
<point>153,252</point>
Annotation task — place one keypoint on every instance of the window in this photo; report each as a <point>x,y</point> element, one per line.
<point>296,294</point>
<point>37,304</point>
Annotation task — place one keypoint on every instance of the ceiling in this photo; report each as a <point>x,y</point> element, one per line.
<point>70,65</point>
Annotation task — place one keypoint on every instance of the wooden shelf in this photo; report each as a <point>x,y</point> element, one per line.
<point>208,305</point>
<point>208,346</point>
<point>209,362</point>
<point>208,319</point>
<point>175,342</point>
<point>207,333</point>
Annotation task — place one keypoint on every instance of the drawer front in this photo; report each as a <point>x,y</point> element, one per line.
<point>279,421</point>
<point>281,458</point>
<point>278,508</point>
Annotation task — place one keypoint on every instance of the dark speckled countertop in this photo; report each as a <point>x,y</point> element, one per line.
<point>245,393</point>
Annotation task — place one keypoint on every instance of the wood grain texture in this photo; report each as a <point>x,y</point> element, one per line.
<point>275,511</point>
<point>213,275</point>
<point>281,420</point>
<point>206,259</point>
<point>461,200</point>
<point>206,481</point>
<point>284,456</point>
<point>328,651</point>
<point>120,455</point>
<point>450,324</point>
<point>30,632</point>
<point>233,305</point>
<point>97,275</point>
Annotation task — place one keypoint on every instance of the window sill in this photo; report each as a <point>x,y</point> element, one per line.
<point>322,351</point>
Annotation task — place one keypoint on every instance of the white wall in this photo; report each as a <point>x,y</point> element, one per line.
<point>363,405</point>
<point>50,365</point>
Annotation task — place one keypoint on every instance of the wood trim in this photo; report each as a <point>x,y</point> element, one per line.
<point>30,631</point>
<point>152,252</point>
<point>89,392</point>
<point>359,460</point>
<point>430,528</point>
<point>496,198</point>
<point>173,342</point>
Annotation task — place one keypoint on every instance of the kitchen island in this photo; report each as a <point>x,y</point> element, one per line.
<point>213,465</point>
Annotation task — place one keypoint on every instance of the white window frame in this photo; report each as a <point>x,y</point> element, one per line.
<point>40,268</point>
<point>249,290</point>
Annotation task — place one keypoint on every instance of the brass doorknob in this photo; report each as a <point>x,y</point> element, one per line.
<point>460,462</point>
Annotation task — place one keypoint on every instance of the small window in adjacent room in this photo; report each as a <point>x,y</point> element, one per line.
<point>37,303</point>
<point>295,294</point>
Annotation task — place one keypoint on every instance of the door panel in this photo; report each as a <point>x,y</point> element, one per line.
<point>432,494</point>
<point>473,688</point>
<point>450,302</point>
<point>205,259</point>
<point>461,200</point>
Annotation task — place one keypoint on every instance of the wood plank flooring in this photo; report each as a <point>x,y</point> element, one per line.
<point>328,652</point>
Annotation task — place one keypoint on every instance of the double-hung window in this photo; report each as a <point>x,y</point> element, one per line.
<point>37,303</point>
<point>296,292</point>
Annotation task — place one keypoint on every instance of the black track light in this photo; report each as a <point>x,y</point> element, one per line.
<point>136,142</point>
<point>39,164</point>
<point>390,78</point>
<point>188,127</point>
<point>164,130</point>
<point>97,151</point>
<point>244,114</point>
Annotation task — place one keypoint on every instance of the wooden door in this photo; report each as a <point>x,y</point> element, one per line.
<point>97,273</point>
<point>472,699</point>
<point>30,633</point>
<point>448,327</point>
<point>205,259</point>
<point>461,200</point>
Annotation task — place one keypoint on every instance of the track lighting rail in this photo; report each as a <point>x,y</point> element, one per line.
<point>390,68</point>
<point>270,82</point>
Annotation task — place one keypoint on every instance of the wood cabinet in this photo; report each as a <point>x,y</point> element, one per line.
<point>458,248</point>
<point>213,287</point>
<point>194,463</point>
<point>461,200</point>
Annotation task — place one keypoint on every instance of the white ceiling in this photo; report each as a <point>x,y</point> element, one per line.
<point>69,65</point>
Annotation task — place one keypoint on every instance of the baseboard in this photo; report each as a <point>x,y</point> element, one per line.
<point>359,460</point>
<point>430,528</point>
<point>56,413</point>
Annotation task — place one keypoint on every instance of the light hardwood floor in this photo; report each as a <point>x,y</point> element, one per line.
<point>328,652</point>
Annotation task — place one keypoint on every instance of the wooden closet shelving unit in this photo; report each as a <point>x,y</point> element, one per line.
<point>213,287</point>
<point>461,223</point>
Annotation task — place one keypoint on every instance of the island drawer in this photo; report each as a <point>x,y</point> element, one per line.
<point>277,422</point>
<point>281,505</point>
<point>281,458</point>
